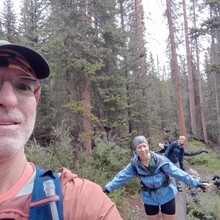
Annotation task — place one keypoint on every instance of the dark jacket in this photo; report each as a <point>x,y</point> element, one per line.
<point>175,153</point>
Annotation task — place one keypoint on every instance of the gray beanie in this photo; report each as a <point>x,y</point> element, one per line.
<point>139,140</point>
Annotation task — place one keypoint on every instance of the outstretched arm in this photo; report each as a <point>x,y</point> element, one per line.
<point>194,153</point>
<point>184,177</point>
<point>120,178</point>
<point>160,151</point>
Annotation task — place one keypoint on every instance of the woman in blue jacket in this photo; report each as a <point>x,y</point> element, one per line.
<point>156,188</point>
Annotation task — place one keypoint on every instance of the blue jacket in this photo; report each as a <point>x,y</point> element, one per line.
<point>155,180</point>
<point>175,153</point>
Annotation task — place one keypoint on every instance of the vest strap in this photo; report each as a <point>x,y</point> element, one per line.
<point>40,203</point>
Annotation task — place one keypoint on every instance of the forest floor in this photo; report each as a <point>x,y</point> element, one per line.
<point>134,209</point>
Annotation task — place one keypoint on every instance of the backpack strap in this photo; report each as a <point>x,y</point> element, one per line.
<point>40,203</point>
<point>165,183</point>
<point>133,165</point>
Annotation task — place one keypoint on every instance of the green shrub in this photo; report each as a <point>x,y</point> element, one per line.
<point>57,154</point>
<point>108,160</point>
<point>118,196</point>
<point>210,160</point>
<point>201,159</point>
<point>208,207</point>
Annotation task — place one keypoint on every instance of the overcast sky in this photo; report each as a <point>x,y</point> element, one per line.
<point>156,30</point>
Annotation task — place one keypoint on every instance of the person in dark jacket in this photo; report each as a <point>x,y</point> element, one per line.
<point>158,192</point>
<point>164,146</point>
<point>175,152</point>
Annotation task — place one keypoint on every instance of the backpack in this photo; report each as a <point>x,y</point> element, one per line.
<point>40,203</point>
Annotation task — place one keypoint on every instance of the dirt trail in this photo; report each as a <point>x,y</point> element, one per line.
<point>181,205</point>
<point>137,212</point>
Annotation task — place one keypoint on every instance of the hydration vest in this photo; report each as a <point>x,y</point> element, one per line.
<point>40,203</point>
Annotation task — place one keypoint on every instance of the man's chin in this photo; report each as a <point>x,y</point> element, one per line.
<point>10,149</point>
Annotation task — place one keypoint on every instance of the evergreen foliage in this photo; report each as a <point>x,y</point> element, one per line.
<point>57,154</point>
<point>8,21</point>
<point>108,158</point>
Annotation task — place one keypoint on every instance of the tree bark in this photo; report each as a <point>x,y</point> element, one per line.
<point>86,101</point>
<point>198,76</point>
<point>87,127</point>
<point>141,54</point>
<point>176,73</point>
<point>190,77</point>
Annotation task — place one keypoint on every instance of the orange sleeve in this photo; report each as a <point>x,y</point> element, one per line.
<point>84,200</point>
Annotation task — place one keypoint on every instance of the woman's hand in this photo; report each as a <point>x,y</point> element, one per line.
<point>203,185</point>
<point>105,191</point>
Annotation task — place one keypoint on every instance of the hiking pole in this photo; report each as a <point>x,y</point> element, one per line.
<point>49,189</point>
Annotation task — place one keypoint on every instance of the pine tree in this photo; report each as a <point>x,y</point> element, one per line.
<point>8,21</point>
<point>176,72</point>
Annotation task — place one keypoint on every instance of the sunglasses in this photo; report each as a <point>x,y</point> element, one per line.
<point>22,85</point>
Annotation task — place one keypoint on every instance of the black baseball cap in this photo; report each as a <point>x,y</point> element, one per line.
<point>35,60</point>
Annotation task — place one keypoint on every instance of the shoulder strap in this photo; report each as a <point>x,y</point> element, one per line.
<point>133,165</point>
<point>40,203</point>
<point>159,160</point>
<point>167,176</point>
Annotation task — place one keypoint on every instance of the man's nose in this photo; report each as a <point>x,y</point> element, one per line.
<point>8,98</point>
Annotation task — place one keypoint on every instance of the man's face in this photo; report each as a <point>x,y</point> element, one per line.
<point>17,112</point>
<point>181,141</point>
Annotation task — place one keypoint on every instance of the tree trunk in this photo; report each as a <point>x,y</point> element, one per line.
<point>176,74</point>
<point>198,76</point>
<point>87,127</point>
<point>141,54</point>
<point>126,71</point>
<point>86,101</point>
<point>214,60</point>
<point>190,77</point>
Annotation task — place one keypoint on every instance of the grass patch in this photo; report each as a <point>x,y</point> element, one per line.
<point>208,207</point>
<point>210,160</point>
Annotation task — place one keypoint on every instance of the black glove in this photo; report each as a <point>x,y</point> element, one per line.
<point>217,183</point>
<point>202,185</point>
<point>105,191</point>
<point>215,177</point>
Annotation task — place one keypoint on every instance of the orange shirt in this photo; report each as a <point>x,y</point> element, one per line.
<point>24,178</point>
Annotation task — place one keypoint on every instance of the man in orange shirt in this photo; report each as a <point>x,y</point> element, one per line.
<point>21,68</point>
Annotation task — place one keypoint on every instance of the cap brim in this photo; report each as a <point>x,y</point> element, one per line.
<point>36,61</point>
